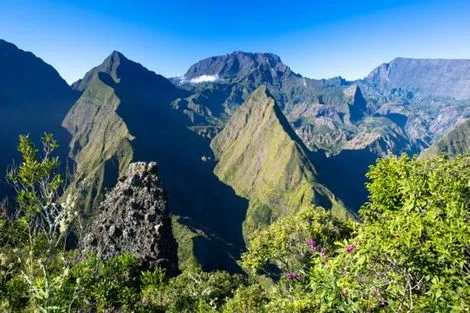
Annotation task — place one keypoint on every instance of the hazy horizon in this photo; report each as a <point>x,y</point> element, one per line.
<point>317,40</point>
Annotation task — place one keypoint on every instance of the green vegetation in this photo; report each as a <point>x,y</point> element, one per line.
<point>185,235</point>
<point>33,261</point>
<point>263,160</point>
<point>456,142</point>
<point>100,146</point>
<point>409,253</point>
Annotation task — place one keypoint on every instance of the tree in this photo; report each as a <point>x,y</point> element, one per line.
<point>33,238</point>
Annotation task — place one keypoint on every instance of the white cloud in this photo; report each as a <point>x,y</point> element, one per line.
<point>204,79</point>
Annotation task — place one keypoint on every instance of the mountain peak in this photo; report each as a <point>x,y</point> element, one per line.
<point>262,92</point>
<point>263,160</point>
<point>238,65</point>
<point>108,66</point>
<point>257,55</point>
<point>116,56</point>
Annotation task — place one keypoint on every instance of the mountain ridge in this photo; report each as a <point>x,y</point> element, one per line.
<point>34,99</point>
<point>442,77</point>
<point>262,158</point>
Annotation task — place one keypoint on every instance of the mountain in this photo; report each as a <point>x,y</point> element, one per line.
<point>338,121</point>
<point>392,111</point>
<point>219,85</point>
<point>240,140</point>
<point>434,77</point>
<point>401,106</point>
<point>127,113</point>
<point>426,97</point>
<point>109,66</point>
<point>327,114</point>
<point>263,160</point>
<point>243,72</point>
<point>101,139</point>
<point>238,66</point>
<point>454,143</point>
<point>123,115</point>
<point>33,99</point>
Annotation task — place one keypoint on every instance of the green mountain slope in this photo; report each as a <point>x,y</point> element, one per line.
<point>100,144</point>
<point>454,143</point>
<point>263,160</point>
<point>33,99</point>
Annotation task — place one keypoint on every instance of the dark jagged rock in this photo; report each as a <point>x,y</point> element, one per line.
<point>134,217</point>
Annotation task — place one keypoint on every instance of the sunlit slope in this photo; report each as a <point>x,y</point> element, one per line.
<point>263,160</point>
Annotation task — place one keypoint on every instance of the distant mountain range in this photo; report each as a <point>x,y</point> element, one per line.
<point>432,77</point>
<point>240,139</point>
<point>334,114</point>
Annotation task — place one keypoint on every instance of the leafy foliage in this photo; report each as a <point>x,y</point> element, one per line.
<point>410,253</point>
<point>33,260</point>
<point>289,243</point>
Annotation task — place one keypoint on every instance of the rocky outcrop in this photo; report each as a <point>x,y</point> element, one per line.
<point>134,218</point>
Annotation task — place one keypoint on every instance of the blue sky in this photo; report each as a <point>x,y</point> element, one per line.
<point>318,39</point>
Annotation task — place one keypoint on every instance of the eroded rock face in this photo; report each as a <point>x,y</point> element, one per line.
<point>134,218</point>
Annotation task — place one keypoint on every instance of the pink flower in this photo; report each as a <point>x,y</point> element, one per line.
<point>323,253</point>
<point>294,276</point>
<point>311,243</point>
<point>350,248</point>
